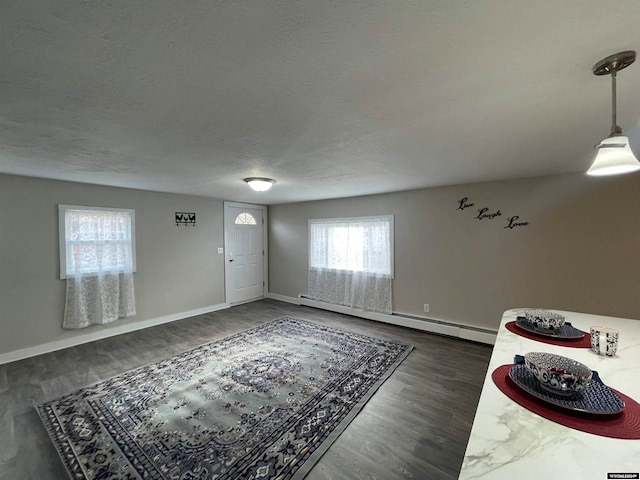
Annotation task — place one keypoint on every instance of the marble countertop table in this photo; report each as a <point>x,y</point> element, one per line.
<point>508,441</point>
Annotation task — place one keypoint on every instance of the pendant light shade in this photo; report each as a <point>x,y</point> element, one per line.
<point>614,157</point>
<point>614,153</point>
<point>260,184</point>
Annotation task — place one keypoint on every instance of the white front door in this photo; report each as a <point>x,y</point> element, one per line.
<point>244,252</point>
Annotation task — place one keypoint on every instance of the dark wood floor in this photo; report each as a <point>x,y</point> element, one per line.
<point>415,427</point>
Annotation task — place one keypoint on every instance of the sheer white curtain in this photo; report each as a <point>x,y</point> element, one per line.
<point>351,262</point>
<point>99,267</point>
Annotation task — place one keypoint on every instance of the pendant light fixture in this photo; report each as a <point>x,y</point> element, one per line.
<point>614,154</point>
<point>260,184</point>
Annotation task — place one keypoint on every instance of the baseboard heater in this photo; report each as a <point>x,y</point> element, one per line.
<point>466,332</point>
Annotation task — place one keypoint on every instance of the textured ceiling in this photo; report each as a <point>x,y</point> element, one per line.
<point>332,99</point>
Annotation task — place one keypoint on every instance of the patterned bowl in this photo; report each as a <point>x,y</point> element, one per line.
<point>558,374</point>
<point>544,319</point>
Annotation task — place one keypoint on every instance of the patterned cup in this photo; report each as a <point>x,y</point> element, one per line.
<point>604,341</point>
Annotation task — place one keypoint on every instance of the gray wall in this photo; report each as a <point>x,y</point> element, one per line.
<point>580,251</point>
<point>178,267</point>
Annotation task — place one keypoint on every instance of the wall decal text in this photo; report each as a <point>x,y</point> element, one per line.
<point>482,213</point>
<point>513,223</point>
<point>462,204</point>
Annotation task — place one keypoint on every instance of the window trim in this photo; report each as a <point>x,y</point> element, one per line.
<point>62,240</point>
<point>389,218</point>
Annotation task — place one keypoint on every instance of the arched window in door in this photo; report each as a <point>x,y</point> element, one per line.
<point>245,218</point>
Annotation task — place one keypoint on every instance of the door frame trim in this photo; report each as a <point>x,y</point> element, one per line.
<point>265,246</point>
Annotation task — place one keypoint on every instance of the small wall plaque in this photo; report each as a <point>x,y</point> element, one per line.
<point>186,218</point>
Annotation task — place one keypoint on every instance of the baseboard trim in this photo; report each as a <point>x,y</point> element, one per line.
<point>112,332</point>
<point>476,336</point>
<point>427,325</point>
<point>283,298</point>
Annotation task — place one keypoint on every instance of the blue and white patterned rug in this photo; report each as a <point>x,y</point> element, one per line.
<point>265,403</point>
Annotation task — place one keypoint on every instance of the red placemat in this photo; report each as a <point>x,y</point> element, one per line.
<point>624,425</point>
<point>584,342</point>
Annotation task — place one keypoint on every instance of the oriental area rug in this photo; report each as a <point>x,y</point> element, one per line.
<point>264,403</point>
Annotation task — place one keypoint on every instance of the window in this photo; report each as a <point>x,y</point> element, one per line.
<point>245,218</point>
<point>351,262</point>
<point>363,244</point>
<point>95,239</point>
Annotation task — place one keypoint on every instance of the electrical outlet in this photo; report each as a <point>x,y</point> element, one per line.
<point>220,250</point>
<point>426,307</point>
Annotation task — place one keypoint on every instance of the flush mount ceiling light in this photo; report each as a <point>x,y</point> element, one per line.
<point>260,184</point>
<point>614,154</point>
